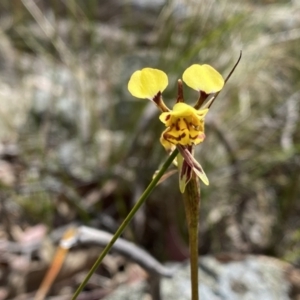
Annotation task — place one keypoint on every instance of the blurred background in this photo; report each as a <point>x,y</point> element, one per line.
<point>75,146</point>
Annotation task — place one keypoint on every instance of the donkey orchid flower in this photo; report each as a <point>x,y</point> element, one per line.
<point>184,123</point>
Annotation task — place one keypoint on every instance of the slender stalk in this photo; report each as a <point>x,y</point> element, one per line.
<point>191,198</point>
<point>129,217</point>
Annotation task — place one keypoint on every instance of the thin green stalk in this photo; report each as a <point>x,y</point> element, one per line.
<point>191,198</point>
<point>129,217</point>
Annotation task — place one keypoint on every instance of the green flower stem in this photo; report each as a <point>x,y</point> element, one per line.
<point>191,198</point>
<point>129,217</point>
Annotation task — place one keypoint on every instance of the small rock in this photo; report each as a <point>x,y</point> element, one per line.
<point>248,278</point>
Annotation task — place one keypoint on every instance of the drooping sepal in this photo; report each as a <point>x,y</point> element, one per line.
<point>200,172</point>
<point>185,173</point>
<point>192,162</point>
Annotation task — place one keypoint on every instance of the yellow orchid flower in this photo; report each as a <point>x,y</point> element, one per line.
<point>185,124</point>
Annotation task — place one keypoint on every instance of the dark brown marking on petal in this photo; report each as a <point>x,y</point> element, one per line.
<point>187,123</point>
<point>169,137</point>
<point>167,117</point>
<point>177,125</point>
<point>193,137</point>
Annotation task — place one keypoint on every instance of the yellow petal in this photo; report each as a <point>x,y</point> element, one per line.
<point>183,110</point>
<point>146,83</point>
<point>165,117</point>
<point>196,137</point>
<point>166,144</point>
<point>203,78</point>
<point>202,112</point>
